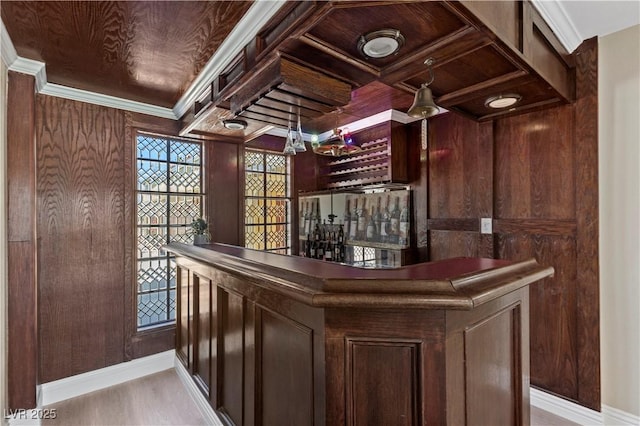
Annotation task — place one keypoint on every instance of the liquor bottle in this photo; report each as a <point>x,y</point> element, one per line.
<point>301,219</point>
<point>385,226</point>
<point>404,226</point>
<point>307,246</point>
<point>312,248</point>
<point>319,250</point>
<point>377,220</point>
<point>347,217</point>
<point>362,222</point>
<point>328,253</point>
<point>307,219</point>
<point>371,227</point>
<point>353,227</point>
<point>341,235</point>
<point>316,232</point>
<point>395,223</point>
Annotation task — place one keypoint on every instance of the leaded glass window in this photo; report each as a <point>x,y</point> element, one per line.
<point>169,197</point>
<point>267,202</point>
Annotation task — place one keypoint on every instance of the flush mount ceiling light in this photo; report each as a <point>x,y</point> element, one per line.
<point>234,124</point>
<point>502,101</point>
<point>423,104</point>
<point>381,43</point>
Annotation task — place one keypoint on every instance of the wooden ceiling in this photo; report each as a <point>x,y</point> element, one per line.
<point>152,51</point>
<point>147,51</point>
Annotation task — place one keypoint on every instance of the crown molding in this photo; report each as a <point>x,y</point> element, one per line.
<point>251,23</point>
<point>381,117</point>
<point>557,18</point>
<point>66,92</point>
<point>9,54</point>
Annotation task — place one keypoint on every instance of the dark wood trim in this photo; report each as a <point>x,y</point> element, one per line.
<point>535,227</point>
<point>467,225</point>
<point>22,334</point>
<point>587,233</point>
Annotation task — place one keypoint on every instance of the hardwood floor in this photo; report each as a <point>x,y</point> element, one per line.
<point>162,399</point>
<point>158,399</point>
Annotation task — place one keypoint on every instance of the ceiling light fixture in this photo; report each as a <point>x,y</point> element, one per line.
<point>423,104</point>
<point>234,124</point>
<point>502,101</point>
<point>336,145</point>
<point>381,43</point>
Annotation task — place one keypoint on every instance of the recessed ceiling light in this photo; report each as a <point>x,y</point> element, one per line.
<point>381,43</point>
<point>502,101</point>
<point>235,124</point>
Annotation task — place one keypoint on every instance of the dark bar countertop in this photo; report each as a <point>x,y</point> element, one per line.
<point>458,283</point>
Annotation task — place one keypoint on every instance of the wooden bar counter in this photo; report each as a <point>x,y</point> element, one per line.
<point>279,340</point>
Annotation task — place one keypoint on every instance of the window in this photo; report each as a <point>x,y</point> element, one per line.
<point>267,202</point>
<point>169,197</point>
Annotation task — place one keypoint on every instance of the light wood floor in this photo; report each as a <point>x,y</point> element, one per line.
<point>162,399</point>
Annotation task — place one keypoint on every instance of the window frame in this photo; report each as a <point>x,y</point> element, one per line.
<point>167,226</point>
<point>288,198</point>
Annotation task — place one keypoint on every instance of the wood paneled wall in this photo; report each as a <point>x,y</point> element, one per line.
<point>80,222</point>
<point>535,175</point>
<point>224,182</point>
<point>21,248</point>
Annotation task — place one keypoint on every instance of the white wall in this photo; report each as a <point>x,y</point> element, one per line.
<point>3,239</point>
<point>619,180</point>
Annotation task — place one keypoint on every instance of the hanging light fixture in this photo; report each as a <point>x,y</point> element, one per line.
<point>336,145</point>
<point>289,149</point>
<point>298,138</point>
<point>423,104</point>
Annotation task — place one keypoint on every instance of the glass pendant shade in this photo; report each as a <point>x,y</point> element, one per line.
<point>423,104</point>
<point>298,139</point>
<point>289,149</point>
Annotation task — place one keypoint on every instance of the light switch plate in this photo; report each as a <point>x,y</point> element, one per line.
<point>486,225</point>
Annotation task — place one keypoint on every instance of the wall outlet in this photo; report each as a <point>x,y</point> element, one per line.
<point>486,225</point>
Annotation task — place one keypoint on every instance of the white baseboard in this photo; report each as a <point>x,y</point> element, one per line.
<point>578,414</point>
<point>203,405</point>
<point>70,387</point>
<point>613,416</point>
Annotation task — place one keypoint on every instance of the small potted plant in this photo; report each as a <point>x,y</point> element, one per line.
<point>200,232</point>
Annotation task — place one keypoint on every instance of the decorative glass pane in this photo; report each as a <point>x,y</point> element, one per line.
<point>254,211</point>
<point>184,209</point>
<point>152,275</point>
<point>276,236</point>
<point>152,308</point>
<point>254,184</point>
<point>277,211</point>
<point>184,178</point>
<point>254,237</point>
<point>152,209</point>
<point>254,161</point>
<point>152,176</point>
<point>181,234</point>
<point>276,163</point>
<point>276,185</point>
<point>151,148</point>
<point>185,152</point>
<point>150,240</point>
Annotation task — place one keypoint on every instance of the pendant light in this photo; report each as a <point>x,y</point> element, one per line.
<point>289,149</point>
<point>423,104</point>
<point>335,145</point>
<point>298,138</point>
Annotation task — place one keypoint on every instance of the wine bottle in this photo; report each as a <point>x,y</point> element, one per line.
<point>341,235</point>
<point>353,228</point>
<point>307,219</point>
<point>362,222</point>
<point>385,226</point>
<point>404,226</point>
<point>319,250</point>
<point>312,248</point>
<point>371,227</point>
<point>377,220</point>
<point>395,223</point>
<point>347,217</point>
<point>328,253</point>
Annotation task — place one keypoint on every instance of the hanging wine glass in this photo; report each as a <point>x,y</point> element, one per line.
<point>288,145</point>
<point>298,140</point>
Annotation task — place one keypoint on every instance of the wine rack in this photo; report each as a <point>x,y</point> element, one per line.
<point>381,160</point>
